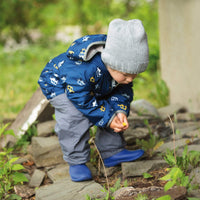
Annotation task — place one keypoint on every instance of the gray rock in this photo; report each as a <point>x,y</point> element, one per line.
<point>46,151</point>
<point>131,169</point>
<point>183,129</point>
<point>132,192</point>
<point>170,145</point>
<point>46,128</point>
<point>170,110</point>
<point>193,147</point>
<point>196,174</point>
<point>142,106</point>
<point>184,116</point>
<point>109,171</point>
<point>37,108</point>
<point>68,190</point>
<point>24,191</point>
<point>193,134</point>
<point>24,159</point>
<point>59,172</point>
<point>37,178</point>
<point>130,135</point>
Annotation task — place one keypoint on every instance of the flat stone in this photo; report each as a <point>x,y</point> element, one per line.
<point>24,159</point>
<point>130,135</point>
<point>37,108</point>
<point>132,169</point>
<point>170,145</point>
<point>193,134</point>
<point>46,128</point>
<point>142,106</point>
<point>109,171</point>
<point>195,174</point>
<point>69,190</point>
<point>152,192</point>
<point>170,110</point>
<point>184,116</point>
<point>24,191</point>
<point>192,147</point>
<point>59,172</point>
<point>37,178</point>
<point>184,128</point>
<point>46,151</point>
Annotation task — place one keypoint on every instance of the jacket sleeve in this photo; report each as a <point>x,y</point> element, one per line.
<point>99,112</point>
<point>121,98</point>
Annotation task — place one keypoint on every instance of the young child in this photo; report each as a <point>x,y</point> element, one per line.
<point>91,84</point>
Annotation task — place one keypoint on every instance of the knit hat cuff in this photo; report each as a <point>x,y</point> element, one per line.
<point>130,67</point>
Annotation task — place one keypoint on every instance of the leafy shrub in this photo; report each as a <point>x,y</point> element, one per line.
<point>10,174</point>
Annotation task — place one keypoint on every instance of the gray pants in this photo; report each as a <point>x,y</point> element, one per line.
<point>72,128</point>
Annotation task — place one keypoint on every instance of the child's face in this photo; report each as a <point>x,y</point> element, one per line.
<point>120,77</point>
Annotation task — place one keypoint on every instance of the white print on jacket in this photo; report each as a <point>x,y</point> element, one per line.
<point>40,79</point>
<point>63,79</point>
<point>54,81</point>
<point>94,103</point>
<point>53,94</point>
<point>125,95</point>
<point>80,82</point>
<point>85,39</point>
<point>114,99</point>
<point>101,122</point>
<point>98,72</point>
<point>79,62</point>
<point>60,63</point>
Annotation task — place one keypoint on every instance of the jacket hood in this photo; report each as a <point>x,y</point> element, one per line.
<point>86,47</point>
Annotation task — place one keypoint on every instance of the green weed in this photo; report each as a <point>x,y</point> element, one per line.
<point>23,142</point>
<point>10,174</point>
<point>149,145</point>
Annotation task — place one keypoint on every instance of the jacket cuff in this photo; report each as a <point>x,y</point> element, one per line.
<point>118,111</point>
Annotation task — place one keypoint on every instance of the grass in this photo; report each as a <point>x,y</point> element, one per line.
<point>20,71</point>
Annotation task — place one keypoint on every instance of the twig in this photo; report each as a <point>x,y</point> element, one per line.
<point>172,125</point>
<point>107,182</point>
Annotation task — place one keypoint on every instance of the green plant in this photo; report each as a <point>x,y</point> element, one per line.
<point>9,175</point>
<point>152,144</point>
<point>161,91</point>
<point>9,170</point>
<point>165,197</point>
<point>176,177</point>
<point>179,166</point>
<point>183,161</point>
<point>147,175</point>
<point>25,139</point>
<point>4,131</point>
<point>141,197</point>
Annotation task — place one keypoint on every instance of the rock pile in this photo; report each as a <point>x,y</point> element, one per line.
<point>48,173</point>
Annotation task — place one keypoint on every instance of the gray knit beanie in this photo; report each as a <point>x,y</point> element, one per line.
<point>126,48</point>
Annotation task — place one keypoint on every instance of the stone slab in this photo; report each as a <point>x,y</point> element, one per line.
<point>69,190</point>
<point>46,128</point>
<point>37,178</point>
<point>46,151</point>
<point>59,172</point>
<point>37,108</point>
<point>131,169</point>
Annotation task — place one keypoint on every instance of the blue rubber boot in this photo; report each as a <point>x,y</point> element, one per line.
<point>80,173</point>
<point>123,156</point>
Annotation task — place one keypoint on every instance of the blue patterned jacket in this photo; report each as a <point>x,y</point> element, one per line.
<point>86,81</point>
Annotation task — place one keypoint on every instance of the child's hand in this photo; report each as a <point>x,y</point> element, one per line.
<point>123,119</point>
<point>119,123</point>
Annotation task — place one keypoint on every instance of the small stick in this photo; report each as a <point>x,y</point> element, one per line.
<point>172,125</point>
